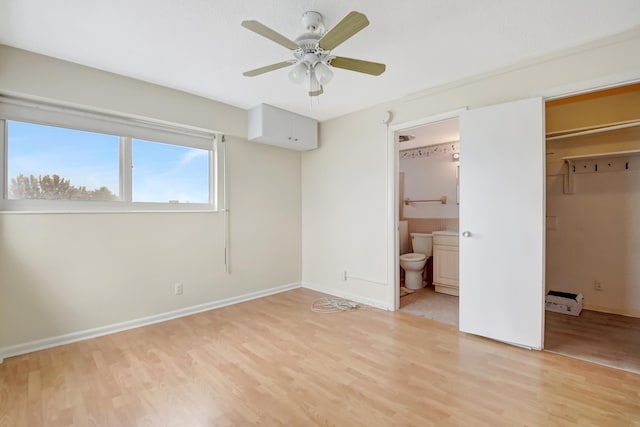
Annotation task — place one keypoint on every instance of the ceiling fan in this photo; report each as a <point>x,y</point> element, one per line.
<point>312,50</point>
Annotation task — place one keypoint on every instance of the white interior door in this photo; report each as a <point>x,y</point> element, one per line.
<point>502,167</point>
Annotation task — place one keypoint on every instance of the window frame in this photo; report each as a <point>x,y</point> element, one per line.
<point>126,128</point>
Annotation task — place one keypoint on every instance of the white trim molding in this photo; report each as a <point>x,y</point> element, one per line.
<point>41,344</point>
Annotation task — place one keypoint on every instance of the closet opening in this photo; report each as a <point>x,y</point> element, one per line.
<point>593,227</point>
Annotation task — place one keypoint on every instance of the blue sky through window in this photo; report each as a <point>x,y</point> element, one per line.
<point>161,172</point>
<point>85,158</point>
<point>164,172</point>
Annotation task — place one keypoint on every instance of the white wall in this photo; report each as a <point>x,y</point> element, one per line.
<point>23,72</point>
<point>64,273</point>
<point>345,207</point>
<point>427,178</point>
<point>597,237</point>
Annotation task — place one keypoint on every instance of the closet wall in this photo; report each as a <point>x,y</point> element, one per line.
<point>593,231</point>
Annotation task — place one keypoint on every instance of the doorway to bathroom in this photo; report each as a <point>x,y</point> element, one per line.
<point>427,203</point>
<point>501,188</point>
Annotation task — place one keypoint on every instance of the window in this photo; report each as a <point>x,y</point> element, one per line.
<point>169,173</point>
<point>62,159</point>
<point>50,163</point>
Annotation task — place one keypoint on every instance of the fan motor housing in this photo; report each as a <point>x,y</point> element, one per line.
<point>308,41</point>
<point>312,20</point>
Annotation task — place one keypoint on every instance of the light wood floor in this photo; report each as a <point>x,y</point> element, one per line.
<point>273,362</point>
<point>609,339</point>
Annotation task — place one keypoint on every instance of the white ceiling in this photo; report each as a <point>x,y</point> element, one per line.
<point>198,46</point>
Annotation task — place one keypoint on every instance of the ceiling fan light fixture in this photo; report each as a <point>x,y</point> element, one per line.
<point>317,93</point>
<point>323,73</point>
<point>313,50</point>
<point>311,83</point>
<point>298,72</point>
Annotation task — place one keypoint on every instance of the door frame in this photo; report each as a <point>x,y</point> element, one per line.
<point>547,94</point>
<point>393,202</point>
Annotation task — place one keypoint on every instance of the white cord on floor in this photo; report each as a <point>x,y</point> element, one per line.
<point>326,305</point>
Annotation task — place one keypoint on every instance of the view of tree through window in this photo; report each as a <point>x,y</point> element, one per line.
<point>54,188</point>
<point>52,163</point>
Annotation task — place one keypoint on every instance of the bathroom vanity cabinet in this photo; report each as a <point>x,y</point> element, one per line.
<point>445,262</point>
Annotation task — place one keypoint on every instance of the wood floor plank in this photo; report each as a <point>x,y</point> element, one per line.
<point>610,339</point>
<point>273,362</point>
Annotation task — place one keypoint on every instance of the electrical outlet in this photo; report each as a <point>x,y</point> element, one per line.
<point>177,288</point>
<point>344,276</point>
<point>597,285</point>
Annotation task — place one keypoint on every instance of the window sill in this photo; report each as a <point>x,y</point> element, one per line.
<point>81,207</point>
<point>102,212</point>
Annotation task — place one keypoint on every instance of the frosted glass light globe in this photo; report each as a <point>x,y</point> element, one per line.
<point>298,72</point>
<point>323,73</point>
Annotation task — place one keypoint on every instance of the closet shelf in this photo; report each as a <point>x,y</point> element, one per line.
<point>552,136</point>
<point>611,154</point>
<point>600,162</point>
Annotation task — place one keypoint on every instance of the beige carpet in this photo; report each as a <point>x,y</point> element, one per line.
<point>428,303</point>
<point>607,339</point>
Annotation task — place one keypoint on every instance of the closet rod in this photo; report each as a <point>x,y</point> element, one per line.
<point>592,131</point>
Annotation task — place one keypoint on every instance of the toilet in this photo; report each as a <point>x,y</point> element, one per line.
<point>413,263</point>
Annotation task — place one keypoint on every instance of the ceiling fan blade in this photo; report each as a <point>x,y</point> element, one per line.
<point>373,68</point>
<point>350,25</point>
<point>267,32</point>
<point>266,69</point>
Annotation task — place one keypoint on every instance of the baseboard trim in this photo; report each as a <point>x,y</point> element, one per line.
<point>41,344</point>
<point>346,295</point>
<point>622,311</point>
